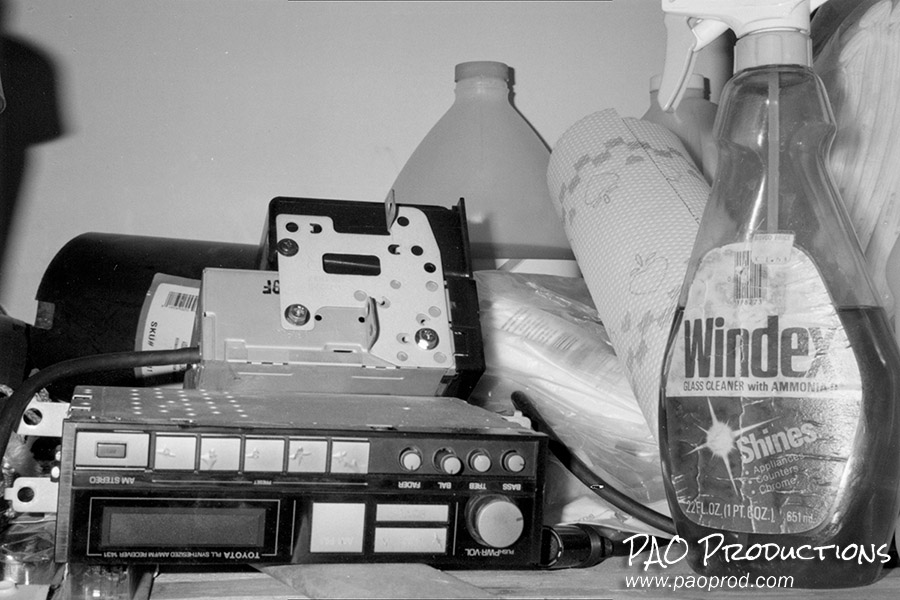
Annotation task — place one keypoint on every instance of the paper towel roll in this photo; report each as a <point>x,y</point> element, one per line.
<point>631,201</point>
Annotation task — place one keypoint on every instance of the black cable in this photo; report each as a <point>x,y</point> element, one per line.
<point>13,408</point>
<point>587,476</point>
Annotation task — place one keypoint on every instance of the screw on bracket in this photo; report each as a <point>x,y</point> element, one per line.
<point>296,314</point>
<point>287,247</point>
<point>427,339</point>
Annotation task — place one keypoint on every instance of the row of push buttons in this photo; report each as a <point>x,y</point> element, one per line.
<point>449,462</point>
<point>176,452</point>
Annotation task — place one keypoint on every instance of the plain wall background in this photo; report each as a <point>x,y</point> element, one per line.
<point>183,118</point>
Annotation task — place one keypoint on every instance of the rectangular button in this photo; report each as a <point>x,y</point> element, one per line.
<point>307,456</point>
<point>263,455</point>
<point>111,449</point>
<point>337,527</point>
<point>349,456</point>
<point>411,540</point>
<point>437,513</point>
<point>175,452</point>
<point>220,453</point>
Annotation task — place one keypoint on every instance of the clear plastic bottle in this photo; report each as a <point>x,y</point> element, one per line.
<point>692,122</point>
<point>779,406</point>
<point>483,150</point>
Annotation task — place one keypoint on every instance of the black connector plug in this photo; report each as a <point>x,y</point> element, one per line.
<point>579,545</point>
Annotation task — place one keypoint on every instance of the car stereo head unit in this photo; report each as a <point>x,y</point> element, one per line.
<point>190,476</point>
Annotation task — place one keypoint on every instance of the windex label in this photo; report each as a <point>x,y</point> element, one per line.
<point>762,394</point>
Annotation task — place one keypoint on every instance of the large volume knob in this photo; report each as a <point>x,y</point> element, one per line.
<point>494,520</point>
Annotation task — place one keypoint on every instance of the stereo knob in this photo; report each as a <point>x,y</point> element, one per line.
<point>513,462</point>
<point>494,521</point>
<point>411,459</point>
<point>446,461</point>
<point>480,461</point>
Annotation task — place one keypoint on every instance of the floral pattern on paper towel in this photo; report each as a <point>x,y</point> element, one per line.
<point>631,201</point>
<point>648,275</point>
<point>671,162</point>
<point>633,356</point>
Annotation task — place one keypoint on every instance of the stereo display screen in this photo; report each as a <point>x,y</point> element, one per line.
<point>183,526</point>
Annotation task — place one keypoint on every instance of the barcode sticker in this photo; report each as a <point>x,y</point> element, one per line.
<point>181,301</point>
<point>167,318</point>
<point>750,279</point>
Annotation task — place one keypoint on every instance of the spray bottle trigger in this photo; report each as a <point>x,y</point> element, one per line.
<point>679,63</point>
<point>685,37</point>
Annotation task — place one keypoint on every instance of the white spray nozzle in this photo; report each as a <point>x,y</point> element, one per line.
<point>693,24</point>
<point>682,44</point>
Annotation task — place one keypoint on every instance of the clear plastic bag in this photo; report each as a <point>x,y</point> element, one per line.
<point>543,337</point>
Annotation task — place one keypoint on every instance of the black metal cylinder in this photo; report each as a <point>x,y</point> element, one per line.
<point>93,294</point>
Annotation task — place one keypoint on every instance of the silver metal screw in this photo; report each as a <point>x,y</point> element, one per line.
<point>296,314</point>
<point>287,247</point>
<point>427,339</point>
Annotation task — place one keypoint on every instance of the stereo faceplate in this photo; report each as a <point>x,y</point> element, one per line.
<point>166,476</point>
